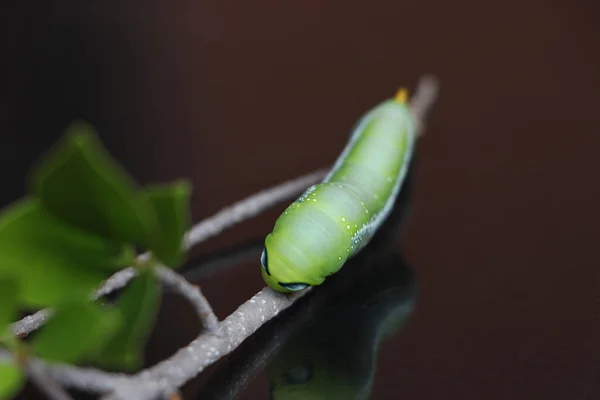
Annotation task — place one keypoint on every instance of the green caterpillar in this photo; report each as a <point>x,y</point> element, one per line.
<point>332,221</point>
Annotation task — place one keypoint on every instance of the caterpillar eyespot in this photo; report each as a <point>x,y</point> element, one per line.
<point>264,261</point>
<point>348,206</point>
<point>294,287</point>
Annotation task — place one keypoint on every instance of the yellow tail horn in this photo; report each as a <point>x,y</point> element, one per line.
<point>401,96</point>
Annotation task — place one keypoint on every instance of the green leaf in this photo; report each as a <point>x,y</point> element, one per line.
<point>75,331</point>
<point>52,260</point>
<point>81,184</point>
<point>11,380</point>
<point>9,290</point>
<point>171,203</point>
<point>138,305</point>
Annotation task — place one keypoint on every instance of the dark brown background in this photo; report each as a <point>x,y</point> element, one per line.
<point>241,95</point>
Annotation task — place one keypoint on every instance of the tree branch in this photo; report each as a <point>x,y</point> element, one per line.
<point>179,284</point>
<point>220,339</point>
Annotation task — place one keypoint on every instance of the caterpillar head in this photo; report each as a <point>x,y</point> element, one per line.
<point>283,270</point>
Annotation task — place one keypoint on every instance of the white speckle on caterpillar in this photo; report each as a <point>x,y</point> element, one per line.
<point>343,219</point>
<point>347,226</point>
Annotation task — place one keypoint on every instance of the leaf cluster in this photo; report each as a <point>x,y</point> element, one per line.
<point>82,220</point>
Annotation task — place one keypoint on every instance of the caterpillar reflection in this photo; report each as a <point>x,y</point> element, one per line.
<point>333,220</point>
<point>334,354</point>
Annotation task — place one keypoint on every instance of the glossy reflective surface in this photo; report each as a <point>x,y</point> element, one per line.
<point>503,232</point>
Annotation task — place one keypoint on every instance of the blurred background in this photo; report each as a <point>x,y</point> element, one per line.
<point>238,96</point>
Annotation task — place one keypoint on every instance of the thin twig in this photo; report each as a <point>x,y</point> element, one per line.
<point>250,207</point>
<point>87,379</point>
<point>30,323</point>
<point>46,383</point>
<point>117,281</point>
<point>191,292</point>
<point>421,102</point>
